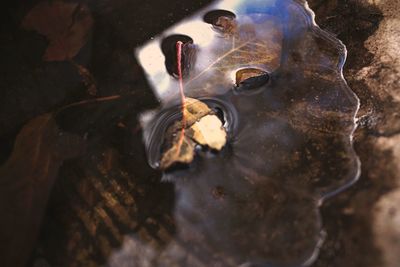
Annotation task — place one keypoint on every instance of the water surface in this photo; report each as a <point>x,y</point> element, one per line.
<point>256,202</point>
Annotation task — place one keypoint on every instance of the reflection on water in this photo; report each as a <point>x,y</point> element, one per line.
<point>256,202</point>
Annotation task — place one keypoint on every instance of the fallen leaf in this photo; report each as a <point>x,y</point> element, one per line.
<point>26,180</point>
<point>201,127</point>
<point>209,132</point>
<point>245,74</point>
<point>233,44</point>
<point>65,24</point>
<point>194,111</point>
<point>183,153</point>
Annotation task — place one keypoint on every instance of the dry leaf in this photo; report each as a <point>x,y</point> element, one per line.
<point>202,127</point>
<point>65,24</point>
<point>25,183</point>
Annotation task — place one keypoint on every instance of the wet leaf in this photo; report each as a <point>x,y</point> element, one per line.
<point>179,153</point>
<point>208,131</point>
<point>229,45</point>
<point>201,127</point>
<point>194,110</point>
<point>25,183</point>
<point>243,48</point>
<point>66,25</point>
<point>248,73</point>
<point>290,143</point>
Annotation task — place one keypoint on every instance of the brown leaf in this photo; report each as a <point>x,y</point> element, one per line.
<point>178,153</point>
<point>246,43</point>
<point>244,49</point>
<point>25,183</point>
<point>194,110</point>
<point>247,73</point>
<point>202,127</point>
<point>65,24</point>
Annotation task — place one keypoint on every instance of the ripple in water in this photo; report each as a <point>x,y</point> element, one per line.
<point>256,202</point>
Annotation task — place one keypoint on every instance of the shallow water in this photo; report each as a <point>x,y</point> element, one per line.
<point>256,202</point>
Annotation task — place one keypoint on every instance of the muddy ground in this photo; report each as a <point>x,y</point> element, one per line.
<point>362,223</point>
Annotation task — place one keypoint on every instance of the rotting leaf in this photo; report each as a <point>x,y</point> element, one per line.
<point>203,127</point>
<point>26,180</point>
<point>65,24</point>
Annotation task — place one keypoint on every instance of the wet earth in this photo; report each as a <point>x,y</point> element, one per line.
<point>108,206</point>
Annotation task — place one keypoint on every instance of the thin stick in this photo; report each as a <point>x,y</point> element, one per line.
<point>89,101</point>
<point>182,93</point>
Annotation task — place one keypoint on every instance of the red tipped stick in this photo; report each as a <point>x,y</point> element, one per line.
<point>182,93</point>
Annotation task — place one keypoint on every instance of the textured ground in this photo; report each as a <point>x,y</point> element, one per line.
<point>362,224</point>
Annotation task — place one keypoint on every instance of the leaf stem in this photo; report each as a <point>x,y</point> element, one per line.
<point>182,93</point>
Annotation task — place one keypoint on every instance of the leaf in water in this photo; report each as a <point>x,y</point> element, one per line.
<point>240,49</point>
<point>230,44</point>
<point>208,131</point>
<point>65,24</point>
<point>194,110</point>
<point>182,152</point>
<point>25,183</point>
<point>201,127</point>
<point>290,143</point>
<point>248,73</point>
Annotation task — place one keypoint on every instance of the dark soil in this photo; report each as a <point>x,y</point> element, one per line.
<point>348,216</point>
<point>30,87</point>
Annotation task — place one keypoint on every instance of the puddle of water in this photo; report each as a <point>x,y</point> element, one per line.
<point>256,202</point>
